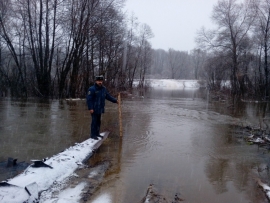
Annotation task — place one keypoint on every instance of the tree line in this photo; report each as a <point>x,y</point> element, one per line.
<point>238,47</point>
<point>54,48</point>
<point>174,64</point>
<point>233,56</point>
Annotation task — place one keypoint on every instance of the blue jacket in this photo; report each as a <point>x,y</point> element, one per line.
<point>96,98</point>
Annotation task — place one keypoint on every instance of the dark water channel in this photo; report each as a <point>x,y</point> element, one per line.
<point>181,141</point>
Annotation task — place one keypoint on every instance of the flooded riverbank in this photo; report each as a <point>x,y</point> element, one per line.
<point>178,140</point>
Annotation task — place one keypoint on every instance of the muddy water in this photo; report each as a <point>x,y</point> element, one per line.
<point>181,141</point>
<point>35,129</point>
<point>184,144</point>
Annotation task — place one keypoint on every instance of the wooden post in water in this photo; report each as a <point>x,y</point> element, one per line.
<point>120,115</point>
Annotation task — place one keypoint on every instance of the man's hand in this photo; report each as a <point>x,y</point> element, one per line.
<point>91,111</point>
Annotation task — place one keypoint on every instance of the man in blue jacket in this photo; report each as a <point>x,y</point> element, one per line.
<point>96,96</point>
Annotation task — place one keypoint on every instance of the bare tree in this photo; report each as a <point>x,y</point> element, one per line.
<point>40,25</point>
<point>216,69</point>
<point>110,36</point>
<point>77,24</point>
<point>145,65</point>
<point>7,24</point>
<point>198,58</point>
<point>94,42</point>
<point>56,46</point>
<point>234,21</point>
<point>178,63</point>
<point>130,62</point>
<point>159,58</point>
<point>262,33</point>
<point>145,52</point>
<point>173,62</point>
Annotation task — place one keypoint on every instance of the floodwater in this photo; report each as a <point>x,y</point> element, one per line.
<point>181,141</point>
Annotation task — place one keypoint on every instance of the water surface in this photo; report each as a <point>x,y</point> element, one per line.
<point>181,141</point>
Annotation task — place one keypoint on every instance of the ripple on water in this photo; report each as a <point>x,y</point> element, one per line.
<point>141,144</point>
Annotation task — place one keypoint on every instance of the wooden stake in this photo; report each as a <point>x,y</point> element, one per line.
<point>120,114</point>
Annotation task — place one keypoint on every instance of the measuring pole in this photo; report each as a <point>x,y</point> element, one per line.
<point>120,114</point>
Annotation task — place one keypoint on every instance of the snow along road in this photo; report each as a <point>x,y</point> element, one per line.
<point>27,186</point>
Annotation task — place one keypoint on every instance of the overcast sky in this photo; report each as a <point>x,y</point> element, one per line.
<point>173,22</point>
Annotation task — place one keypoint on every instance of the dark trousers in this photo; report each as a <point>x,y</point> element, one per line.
<point>95,125</point>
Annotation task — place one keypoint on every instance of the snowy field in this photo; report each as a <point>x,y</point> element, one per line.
<point>170,83</point>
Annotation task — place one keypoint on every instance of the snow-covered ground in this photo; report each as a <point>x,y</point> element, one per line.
<point>170,83</point>
<point>71,195</point>
<point>265,187</point>
<point>104,198</point>
<point>26,186</point>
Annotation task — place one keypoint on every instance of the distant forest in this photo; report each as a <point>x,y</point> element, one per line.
<point>54,48</point>
<point>237,50</point>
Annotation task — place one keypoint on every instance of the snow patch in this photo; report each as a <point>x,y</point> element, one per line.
<point>104,198</point>
<point>63,166</point>
<point>93,174</point>
<point>68,195</point>
<point>170,83</point>
<point>265,187</point>
<point>10,194</point>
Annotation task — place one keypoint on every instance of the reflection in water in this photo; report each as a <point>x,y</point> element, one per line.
<point>217,174</point>
<point>35,130</point>
<point>181,141</point>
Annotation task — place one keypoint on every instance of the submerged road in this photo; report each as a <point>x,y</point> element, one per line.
<point>180,141</point>
<point>185,145</point>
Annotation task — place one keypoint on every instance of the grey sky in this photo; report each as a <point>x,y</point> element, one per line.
<point>173,22</point>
